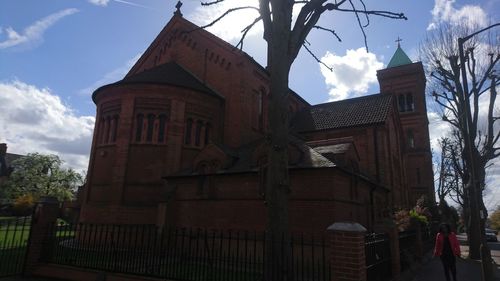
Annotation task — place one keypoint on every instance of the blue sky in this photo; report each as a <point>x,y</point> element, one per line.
<point>54,54</point>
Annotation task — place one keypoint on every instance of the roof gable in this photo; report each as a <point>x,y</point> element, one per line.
<point>366,110</point>
<point>177,29</point>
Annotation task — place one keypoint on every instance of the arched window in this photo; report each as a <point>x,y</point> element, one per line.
<point>102,129</point>
<point>162,128</point>
<point>151,122</point>
<point>187,133</point>
<point>197,135</point>
<point>208,127</point>
<point>114,128</point>
<point>107,129</point>
<point>139,124</point>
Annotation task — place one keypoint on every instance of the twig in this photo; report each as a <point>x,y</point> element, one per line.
<point>329,30</point>
<point>316,58</point>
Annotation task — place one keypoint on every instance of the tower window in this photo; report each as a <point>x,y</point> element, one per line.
<point>411,139</point>
<point>406,103</point>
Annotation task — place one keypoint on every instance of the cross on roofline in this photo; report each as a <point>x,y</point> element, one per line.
<point>398,40</point>
<point>178,7</point>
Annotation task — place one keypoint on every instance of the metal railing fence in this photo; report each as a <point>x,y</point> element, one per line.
<point>14,235</point>
<point>186,254</point>
<point>378,257</point>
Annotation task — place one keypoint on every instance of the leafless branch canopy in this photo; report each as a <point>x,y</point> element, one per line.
<point>306,20</point>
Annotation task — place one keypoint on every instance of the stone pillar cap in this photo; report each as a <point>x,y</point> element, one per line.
<point>347,226</point>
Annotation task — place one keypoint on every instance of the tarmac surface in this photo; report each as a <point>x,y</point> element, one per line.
<point>467,270</point>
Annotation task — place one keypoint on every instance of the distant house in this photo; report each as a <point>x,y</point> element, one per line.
<point>181,140</point>
<point>6,160</point>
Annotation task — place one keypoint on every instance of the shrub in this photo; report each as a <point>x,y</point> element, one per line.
<point>23,205</point>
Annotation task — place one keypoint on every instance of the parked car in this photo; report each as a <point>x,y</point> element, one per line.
<point>490,235</point>
<point>492,230</point>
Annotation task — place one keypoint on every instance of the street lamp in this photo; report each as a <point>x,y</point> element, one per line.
<point>469,142</point>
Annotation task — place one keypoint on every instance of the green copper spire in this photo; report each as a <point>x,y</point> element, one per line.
<point>399,57</point>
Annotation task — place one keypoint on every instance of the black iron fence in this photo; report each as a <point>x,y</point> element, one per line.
<point>14,234</point>
<point>187,254</point>
<point>378,257</point>
<point>407,246</point>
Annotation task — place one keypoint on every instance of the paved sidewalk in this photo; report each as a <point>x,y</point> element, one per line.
<point>467,270</point>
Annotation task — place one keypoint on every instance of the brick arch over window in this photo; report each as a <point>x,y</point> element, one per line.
<point>151,127</point>
<point>197,132</point>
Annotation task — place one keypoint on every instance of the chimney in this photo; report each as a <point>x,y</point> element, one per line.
<point>3,149</point>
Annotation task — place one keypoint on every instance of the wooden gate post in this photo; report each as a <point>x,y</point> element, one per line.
<point>44,218</point>
<point>348,262</point>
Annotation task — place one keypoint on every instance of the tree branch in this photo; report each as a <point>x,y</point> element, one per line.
<point>316,58</point>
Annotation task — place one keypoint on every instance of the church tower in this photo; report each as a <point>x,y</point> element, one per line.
<point>406,81</point>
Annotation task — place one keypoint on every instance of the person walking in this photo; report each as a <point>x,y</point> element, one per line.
<point>447,248</point>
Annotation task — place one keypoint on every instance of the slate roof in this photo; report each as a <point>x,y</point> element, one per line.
<point>6,163</point>
<point>10,157</point>
<point>360,111</point>
<point>399,58</point>
<point>169,73</point>
<point>242,159</point>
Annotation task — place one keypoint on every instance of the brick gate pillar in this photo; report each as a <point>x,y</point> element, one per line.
<point>347,257</point>
<point>44,218</point>
<point>393,233</point>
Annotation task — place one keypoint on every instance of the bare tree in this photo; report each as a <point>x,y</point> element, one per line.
<point>472,114</point>
<point>450,180</point>
<point>285,37</point>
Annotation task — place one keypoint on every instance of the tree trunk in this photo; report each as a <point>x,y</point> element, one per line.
<point>278,183</point>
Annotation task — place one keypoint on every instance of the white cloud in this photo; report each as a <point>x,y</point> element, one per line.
<point>437,129</point>
<point>36,120</point>
<point>444,11</point>
<point>110,77</point>
<point>102,3</point>
<point>352,73</point>
<point>33,34</point>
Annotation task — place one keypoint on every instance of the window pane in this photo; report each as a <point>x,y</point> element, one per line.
<point>409,102</point>
<point>187,136</point>
<point>138,130</point>
<point>151,121</point>
<point>207,133</point>
<point>199,124</point>
<point>115,128</point>
<point>161,129</point>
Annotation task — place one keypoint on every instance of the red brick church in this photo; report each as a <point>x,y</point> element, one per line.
<point>180,140</point>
